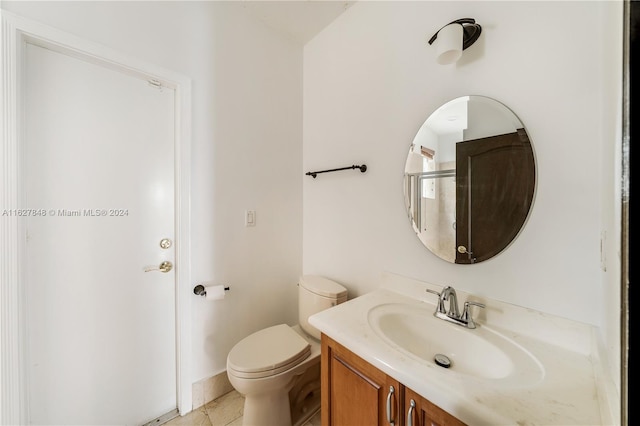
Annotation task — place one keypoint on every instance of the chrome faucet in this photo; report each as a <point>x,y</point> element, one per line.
<point>448,294</point>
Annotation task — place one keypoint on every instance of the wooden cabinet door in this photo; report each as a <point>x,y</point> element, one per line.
<point>354,393</point>
<point>424,413</point>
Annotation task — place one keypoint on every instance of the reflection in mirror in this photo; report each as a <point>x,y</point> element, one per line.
<point>469,179</point>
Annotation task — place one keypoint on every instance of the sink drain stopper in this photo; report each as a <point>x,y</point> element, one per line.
<point>442,360</point>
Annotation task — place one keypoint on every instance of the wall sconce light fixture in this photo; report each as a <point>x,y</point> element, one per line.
<point>453,38</point>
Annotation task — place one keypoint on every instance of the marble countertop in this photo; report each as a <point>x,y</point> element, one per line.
<point>565,394</point>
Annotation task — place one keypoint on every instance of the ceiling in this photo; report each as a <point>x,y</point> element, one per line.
<point>300,19</point>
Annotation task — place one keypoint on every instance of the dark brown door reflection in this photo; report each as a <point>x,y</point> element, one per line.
<point>495,181</point>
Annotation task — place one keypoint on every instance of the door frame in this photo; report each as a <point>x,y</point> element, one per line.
<point>16,32</point>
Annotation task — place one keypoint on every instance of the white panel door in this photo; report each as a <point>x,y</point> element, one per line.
<point>99,158</point>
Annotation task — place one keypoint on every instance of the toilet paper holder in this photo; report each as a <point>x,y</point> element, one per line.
<point>199,290</point>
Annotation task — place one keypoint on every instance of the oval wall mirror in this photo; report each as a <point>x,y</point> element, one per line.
<point>469,179</point>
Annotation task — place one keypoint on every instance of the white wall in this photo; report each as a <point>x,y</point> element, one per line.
<point>247,130</point>
<point>611,152</point>
<point>371,79</point>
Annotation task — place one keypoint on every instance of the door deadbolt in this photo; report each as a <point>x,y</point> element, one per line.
<point>165,243</point>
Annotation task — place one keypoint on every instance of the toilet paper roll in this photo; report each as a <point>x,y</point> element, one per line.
<point>215,292</point>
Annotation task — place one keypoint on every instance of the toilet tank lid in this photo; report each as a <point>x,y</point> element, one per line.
<point>323,286</point>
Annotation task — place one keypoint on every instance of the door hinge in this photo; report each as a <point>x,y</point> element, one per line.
<point>155,83</point>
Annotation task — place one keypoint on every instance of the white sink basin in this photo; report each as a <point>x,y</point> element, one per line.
<point>482,352</point>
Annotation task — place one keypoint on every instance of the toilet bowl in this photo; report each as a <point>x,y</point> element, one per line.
<point>277,369</point>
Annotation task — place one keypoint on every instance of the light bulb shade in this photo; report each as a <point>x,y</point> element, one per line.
<point>449,44</point>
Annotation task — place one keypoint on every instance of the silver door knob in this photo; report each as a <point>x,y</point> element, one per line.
<point>165,267</point>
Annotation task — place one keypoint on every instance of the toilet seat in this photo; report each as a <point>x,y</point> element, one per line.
<point>268,352</point>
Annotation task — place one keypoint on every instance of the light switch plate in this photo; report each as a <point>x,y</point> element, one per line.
<point>250,218</point>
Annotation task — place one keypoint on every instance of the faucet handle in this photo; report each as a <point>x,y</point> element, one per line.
<point>471,302</point>
<point>466,315</point>
<point>440,307</point>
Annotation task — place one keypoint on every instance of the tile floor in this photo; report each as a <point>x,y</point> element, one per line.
<point>224,411</point>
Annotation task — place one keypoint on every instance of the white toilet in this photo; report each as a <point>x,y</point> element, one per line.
<point>277,369</point>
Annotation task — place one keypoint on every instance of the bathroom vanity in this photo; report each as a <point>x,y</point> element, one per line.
<point>359,393</point>
<point>517,366</point>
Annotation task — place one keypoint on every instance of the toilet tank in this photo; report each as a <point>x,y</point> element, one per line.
<point>316,294</point>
